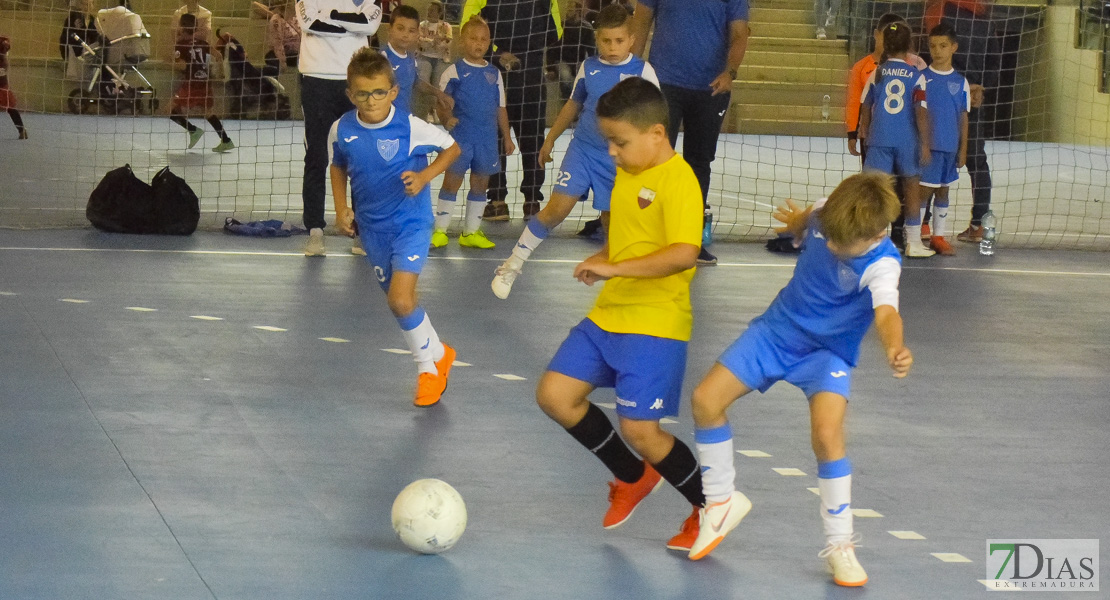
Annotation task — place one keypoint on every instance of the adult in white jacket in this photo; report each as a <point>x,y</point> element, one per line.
<point>331,32</point>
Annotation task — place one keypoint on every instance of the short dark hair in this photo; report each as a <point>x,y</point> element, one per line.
<point>612,16</point>
<point>369,62</point>
<point>945,29</point>
<point>887,19</point>
<point>896,38</point>
<point>404,12</point>
<point>637,101</point>
<point>187,20</point>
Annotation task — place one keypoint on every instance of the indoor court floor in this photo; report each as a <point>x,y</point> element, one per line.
<point>217,417</point>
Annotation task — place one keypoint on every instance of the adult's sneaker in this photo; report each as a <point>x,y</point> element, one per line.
<point>315,244</point>
<point>842,564</point>
<point>223,146</point>
<point>496,210</point>
<point>503,279</point>
<point>971,235</point>
<point>716,520</point>
<point>476,239</point>
<point>705,258</point>
<point>687,533</point>
<point>194,136</point>
<point>625,497</point>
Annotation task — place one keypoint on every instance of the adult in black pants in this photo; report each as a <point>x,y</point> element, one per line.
<point>697,48</point>
<point>521,31</point>
<point>331,32</point>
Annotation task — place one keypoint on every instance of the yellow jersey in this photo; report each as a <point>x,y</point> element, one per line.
<point>650,211</point>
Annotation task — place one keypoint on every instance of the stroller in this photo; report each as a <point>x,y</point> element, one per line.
<point>125,44</point>
<point>248,89</point>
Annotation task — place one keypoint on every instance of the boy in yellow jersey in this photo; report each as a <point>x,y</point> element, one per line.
<point>634,339</point>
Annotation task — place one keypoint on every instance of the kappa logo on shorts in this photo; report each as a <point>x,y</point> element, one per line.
<point>838,374</point>
<point>657,405</point>
<point>388,148</point>
<point>645,197</point>
<point>491,77</point>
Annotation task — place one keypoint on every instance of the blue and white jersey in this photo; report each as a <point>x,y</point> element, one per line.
<point>595,77</point>
<point>692,37</point>
<point>949,96</point>
<point>479,93</point>
<point>891,92</point>
<point>829,303</point>
<point>375,155</point>
<point>405,72</point>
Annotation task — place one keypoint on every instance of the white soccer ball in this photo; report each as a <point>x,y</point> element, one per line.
<point>429,516</point>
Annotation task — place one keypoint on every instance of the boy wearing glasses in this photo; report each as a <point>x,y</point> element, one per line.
<point>384,150</point>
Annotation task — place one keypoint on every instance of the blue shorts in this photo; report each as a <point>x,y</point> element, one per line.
<point>585,168</point>
<point>941,170</point>
<point>646,371</point>
<point>760,358</point>
<point>479,156</point>
<point>390,251</point>
<point>901,161</point>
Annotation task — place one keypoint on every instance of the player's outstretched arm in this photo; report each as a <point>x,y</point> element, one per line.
<point>664,262</point>
<point>888,324</point>
<point>794,219</point>
<point>416,181</point>
<point>344,217</point>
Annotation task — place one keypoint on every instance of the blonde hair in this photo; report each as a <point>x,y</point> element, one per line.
<point>860,208</point>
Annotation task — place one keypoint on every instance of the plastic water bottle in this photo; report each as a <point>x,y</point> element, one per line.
<point>986,246</point>
<point>707,229</point>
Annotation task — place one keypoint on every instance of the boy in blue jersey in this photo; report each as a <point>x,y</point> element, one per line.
<point>404,40</point>
<point>479,112</point>
<point>587,164</point>
<point>894,122</point>
<point>949,98</point>
<point>847,276</point>
<point>635,338</point>
<point>384,152</point>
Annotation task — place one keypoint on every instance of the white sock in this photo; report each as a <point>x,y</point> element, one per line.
<point>445,209</point>
<point>913,235</point>
<point>834,482</point>
<point>475,204</point>
<point>422,339</point>
<point>532,236</point>
<point>940,217</point>
<point>718,473</point>
<point>924,209</point>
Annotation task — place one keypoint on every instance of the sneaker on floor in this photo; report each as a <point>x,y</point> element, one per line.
<point>503,279</point>
<point>590,228</point>
<point>496,210</point>
<point>716,520</point>
<point>223,146</point>
<point>971,235</point>
<point>475,239</point>
<point>22,134</point>
<point>687,533</point>
<point>926,232</point>
<point>429,388</point>
<point>439,238</point>
<point>315,244</point>
<point>841,562</point>
<point>941,246</point>
<point>531,207</point>
<point>194,136</point>
<point>356,247</point>
<point>918,250</point>
<point>705,258</point>
<point>443,365</point>
<point>821,35</point>
<point>625,497</point>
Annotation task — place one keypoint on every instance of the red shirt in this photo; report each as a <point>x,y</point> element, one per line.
<point>4,71</point>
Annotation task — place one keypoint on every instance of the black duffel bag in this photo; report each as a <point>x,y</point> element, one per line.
<point>176,207</point>
<point>122,203</point>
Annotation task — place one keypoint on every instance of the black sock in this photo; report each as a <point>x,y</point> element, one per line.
<point>182,121</point>
<point>214,121</point>
<point>596,433</point>
<point>16,119</point>
<point>680,469</point>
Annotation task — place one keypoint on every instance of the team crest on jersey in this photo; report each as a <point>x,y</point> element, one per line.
<point>954,88</point>
<point>848,278</point>
<point>388,148</point>
<point>645,197</point>
<point>491,77</point>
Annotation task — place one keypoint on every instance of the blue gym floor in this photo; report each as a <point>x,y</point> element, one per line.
<point>147,453</point>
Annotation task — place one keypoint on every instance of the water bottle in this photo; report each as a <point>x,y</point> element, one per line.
<point>986,246</point>
<point>707,229</point>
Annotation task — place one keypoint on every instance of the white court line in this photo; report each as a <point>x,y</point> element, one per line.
<point>789,471</point>
<point>609,405</point>
<point>754,453</point>
<point>459,363</point>
<point>8,294</point>
<point>508,377</point>
<point>951,557</point>
<point>73,300</point>
<point>543,260</point>
<point>335,340</point>
<point>396,351</point>
<point>140,309</point>
<point>268,328</point>
<point>206,318</point>
<point>866,513</point>
<point>667,420</point>
<point>907,535</point>
<point>816,491</point>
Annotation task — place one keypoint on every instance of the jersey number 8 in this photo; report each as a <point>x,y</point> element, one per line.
<point>895,96</point>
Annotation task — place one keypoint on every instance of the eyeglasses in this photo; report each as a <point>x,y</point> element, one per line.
<point>363,96</point>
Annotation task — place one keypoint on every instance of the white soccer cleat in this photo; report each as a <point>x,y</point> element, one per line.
<point>356,247</point>
<point>315,245</point>
<point>842,563</point>
<point>918,250</point>
<point>503,280</point>
<point>717,519</point>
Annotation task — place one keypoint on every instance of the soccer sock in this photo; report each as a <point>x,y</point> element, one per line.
<point>530,238</point>
<point>422,339</point>
<point>940,216</point>
<point>718,474</point>
<point>680,469</point>
<point>834,482</point>
<point>17,119</point>
<point>182,121</point>
<point>445,207</point>
<point>913,229</point>
<point>475,204</point>
<point>214,121</point>
<point>596,433</point>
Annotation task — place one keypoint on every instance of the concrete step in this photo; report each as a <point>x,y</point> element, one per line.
<point>807,45</point>
<point>790,112</point>
<point>781,15</point>
<point>806,5</point>
<point>775,92</point>
<point>791,31</point>
<point>758,73</point>
<point>823,60</point>
<point>800,128</point>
